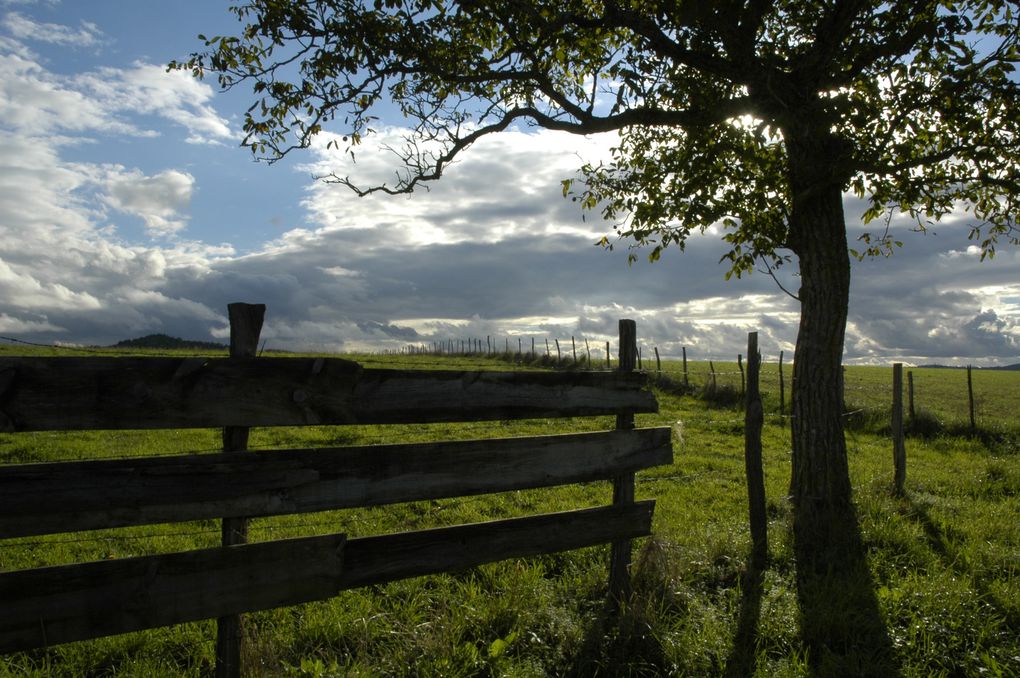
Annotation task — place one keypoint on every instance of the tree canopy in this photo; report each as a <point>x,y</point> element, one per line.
<point>917,98</point>
<point>758,115</point>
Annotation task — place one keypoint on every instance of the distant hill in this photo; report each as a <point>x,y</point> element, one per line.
<point>164,341</point>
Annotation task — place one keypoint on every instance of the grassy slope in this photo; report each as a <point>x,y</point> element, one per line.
<point>940,594</point>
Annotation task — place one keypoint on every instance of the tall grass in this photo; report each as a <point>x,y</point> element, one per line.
<point>938,592</point>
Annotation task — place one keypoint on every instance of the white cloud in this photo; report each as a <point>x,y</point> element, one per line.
<point>11,325</point>
<point>36,102</point>
<point>21,288</point>
<point>159,200</point>
<point>150,90</point>
<point>504,186</point>
<point>25,28</point>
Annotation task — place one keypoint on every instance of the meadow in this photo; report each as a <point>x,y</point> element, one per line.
<point>939,593</point>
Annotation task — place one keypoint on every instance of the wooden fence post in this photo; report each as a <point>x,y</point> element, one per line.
<point>910,396</point>
<point>623,485</point>
<point>245,328</point>
<point>970,399</point>
<point>754,418</point>
<point>684,349</point>
<point>899,449</point>
<point>573,347</point>
<point>658,363</point>
<point>609,364</point>
<point>782,393</point>
<point>587,348</point>
<point>711,370</point>
<point>559,356</point>
<point>740,366</point>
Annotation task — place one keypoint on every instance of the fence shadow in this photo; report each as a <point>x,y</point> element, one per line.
<point>618,642</point>
<point>841,624</point>
<point>742,660</point>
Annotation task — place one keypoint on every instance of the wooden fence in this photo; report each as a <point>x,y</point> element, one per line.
<point>51,605</point>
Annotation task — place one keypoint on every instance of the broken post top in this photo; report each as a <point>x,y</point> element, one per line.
<point>245,328</point>
<point>628,345</point>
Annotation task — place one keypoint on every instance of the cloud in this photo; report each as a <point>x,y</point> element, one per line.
<point>150,90</point>
<point>159,200</point>
<point>23,290</point>
<point>10,325</point>
<point>25,28</point>
<point>37,102</point>
<point>504,186</point>
<point>493,250</point>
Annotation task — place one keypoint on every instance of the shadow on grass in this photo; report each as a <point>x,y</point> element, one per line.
<point>621,641</point>
<point>841,624</point>
<point>742,660</point>
<point>938,543</point>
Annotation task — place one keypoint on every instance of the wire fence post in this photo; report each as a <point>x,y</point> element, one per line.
<point>970,399</point>
<point>910,396</point>
<point>754,418</point>
<point>899,448</point>
<point>782,393</point>
<point>740,366</point>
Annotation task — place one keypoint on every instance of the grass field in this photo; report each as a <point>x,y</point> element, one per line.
<point>938,595</point>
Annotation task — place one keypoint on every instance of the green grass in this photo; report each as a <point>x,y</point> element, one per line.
<point>938,593</point>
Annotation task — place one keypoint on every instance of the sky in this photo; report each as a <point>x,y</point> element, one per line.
<point>128,207</point>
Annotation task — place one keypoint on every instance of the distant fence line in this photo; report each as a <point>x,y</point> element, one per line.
<point>961,402</point>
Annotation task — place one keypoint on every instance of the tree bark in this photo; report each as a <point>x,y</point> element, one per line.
<point>820,479</point>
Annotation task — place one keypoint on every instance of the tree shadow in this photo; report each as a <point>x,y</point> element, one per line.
<point>742,660</point>
<point>841,624</point>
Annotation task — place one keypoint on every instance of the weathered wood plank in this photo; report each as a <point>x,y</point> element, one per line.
<point>145,393</point>
<point>375,560</point>
<point>117,493</point>
<point>54,605</point>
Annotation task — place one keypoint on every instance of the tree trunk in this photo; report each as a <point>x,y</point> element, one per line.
<point>820,481</point>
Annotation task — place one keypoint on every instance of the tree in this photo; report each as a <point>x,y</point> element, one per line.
<point>754,114</point>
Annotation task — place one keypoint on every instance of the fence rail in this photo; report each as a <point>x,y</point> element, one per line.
<point>151,393</point>
<point>140,491</point>
<point>51,605</point>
